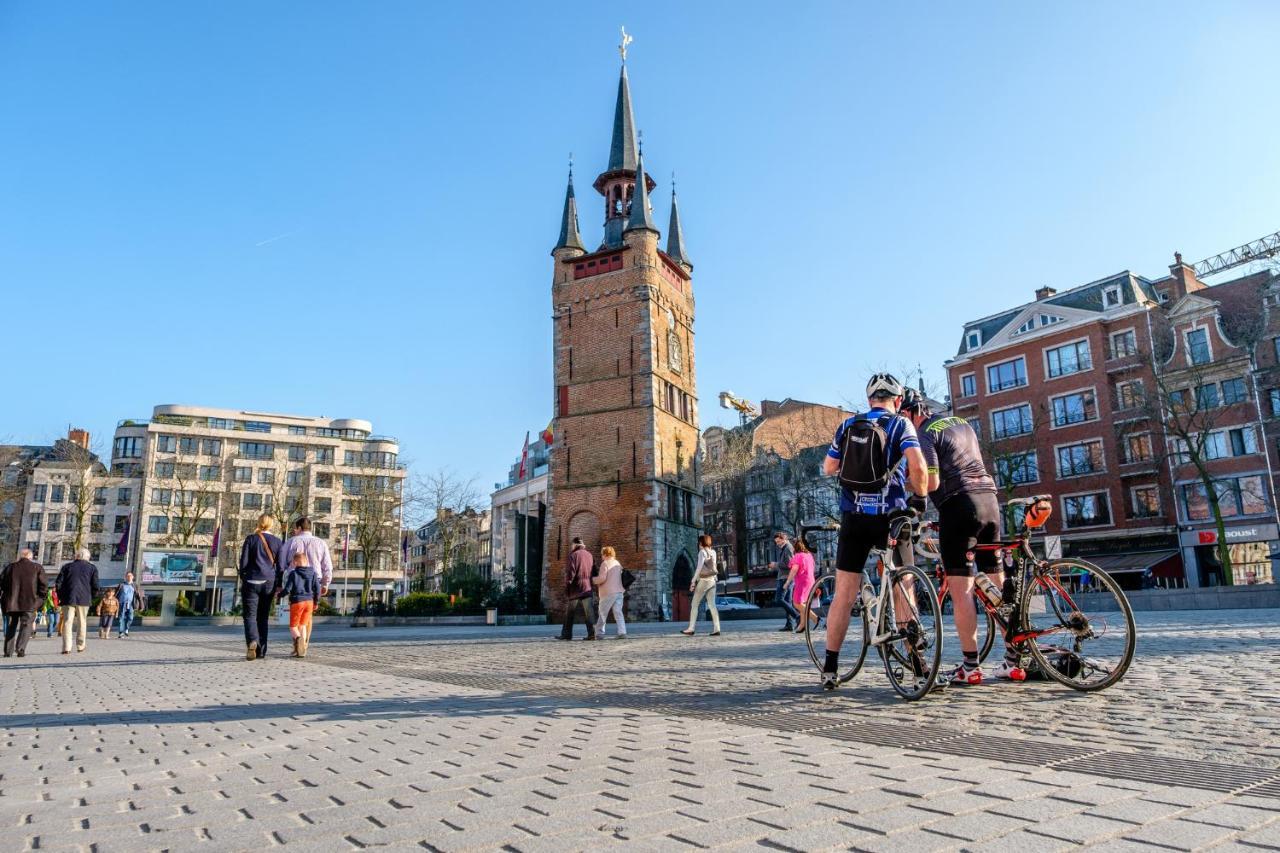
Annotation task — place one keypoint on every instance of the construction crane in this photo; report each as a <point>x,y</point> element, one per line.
<point>1260,249</point>
<point>745,410</point>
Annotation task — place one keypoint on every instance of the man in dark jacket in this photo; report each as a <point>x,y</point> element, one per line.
<point>260,580</point>
<point>22,591</point>
<point>77,586</point>
<point>577,590</point>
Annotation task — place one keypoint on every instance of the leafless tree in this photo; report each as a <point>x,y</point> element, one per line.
<point>83,471</point>
<point>1186,403</point>
<point>374,497</point>
<point>446,497</point>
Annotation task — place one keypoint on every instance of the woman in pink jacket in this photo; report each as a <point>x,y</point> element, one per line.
<point>609,584</point>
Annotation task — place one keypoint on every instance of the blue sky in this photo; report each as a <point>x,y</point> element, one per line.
<point>346,208</point>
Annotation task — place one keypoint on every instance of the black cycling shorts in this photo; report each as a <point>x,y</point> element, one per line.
<point>859,533</point>
<point>966,520</point>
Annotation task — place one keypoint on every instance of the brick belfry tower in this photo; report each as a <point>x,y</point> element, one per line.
<point>624,469</point>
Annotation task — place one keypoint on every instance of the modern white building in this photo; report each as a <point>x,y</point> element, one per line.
<point>518,514</point>
<point>200,470</point>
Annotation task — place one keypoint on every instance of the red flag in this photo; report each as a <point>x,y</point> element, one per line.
<point>346,543</point>
<point>217,538</point>
<point>524,457</point>
<point>548,435</point>
<point>122,547</point>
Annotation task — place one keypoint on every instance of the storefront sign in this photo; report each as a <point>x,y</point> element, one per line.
<point>1243,533</point>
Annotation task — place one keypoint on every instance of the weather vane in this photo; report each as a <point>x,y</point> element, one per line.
<point>622,47</point>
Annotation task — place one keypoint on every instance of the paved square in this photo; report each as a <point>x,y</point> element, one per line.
<point>492,739</point>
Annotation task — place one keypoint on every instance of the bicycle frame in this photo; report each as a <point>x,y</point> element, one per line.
<point>1030,568</point>
<point>882,604</point>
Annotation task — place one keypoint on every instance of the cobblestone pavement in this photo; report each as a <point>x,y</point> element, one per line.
<point>479,739</point>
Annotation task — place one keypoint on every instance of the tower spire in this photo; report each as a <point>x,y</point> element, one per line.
<point>640,218</point>
<point>675,234</point>
<point>622,150</point>
<point>569,236</point>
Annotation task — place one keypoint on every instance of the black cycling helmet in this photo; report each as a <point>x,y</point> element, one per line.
<point>883,385</point>
<point>914,402</point>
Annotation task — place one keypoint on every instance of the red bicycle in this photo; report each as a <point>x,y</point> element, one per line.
<point>1071,617</point>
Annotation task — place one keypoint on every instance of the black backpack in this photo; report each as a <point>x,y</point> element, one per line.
<point>628,578</point>
<point>864,455</point>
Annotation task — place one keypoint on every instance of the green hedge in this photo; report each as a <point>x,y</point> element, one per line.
<point>435,604</point>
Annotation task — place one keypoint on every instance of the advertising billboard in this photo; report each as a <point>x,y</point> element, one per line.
<point>172,567</point>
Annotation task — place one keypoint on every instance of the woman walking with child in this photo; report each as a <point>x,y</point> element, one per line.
<point>704,586</point>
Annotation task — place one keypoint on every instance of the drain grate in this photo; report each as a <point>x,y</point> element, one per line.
<point>1270,789</point>
<point>900,736</point>
<point>1167,770</point>
<point>1012,751</point>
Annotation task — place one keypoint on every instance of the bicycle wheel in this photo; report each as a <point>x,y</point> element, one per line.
<point>986,623</point>
<point>1084,640</point>
<point>854,649</point>
<point>912,654</point>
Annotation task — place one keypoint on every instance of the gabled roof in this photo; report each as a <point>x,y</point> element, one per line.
<point>1091,297</point>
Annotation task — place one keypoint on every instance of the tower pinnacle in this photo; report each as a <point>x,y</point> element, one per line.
<point>675,234</point>
<point>569,236</point>
<point>640,218</point>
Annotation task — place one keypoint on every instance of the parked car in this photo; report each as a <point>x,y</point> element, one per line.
<point>733,602</point>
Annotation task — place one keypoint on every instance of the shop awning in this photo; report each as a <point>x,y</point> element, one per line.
<point>1159,563</point>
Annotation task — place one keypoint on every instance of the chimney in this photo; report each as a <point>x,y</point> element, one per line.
<point>79,437</point>
<point>1184,278</point>
<point>1044,293</point>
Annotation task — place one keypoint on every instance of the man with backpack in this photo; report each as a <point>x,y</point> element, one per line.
<point>866,451</point>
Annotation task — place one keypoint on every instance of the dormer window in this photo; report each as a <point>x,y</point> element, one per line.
<point>973,340</point>
<point>1050,319</point>
<point>1111,297</point>
<point>1026,327</point>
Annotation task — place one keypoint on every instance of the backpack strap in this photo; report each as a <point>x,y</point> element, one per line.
<point>267,547</point>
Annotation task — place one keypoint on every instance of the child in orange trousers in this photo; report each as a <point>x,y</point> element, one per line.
<point>303,588</point>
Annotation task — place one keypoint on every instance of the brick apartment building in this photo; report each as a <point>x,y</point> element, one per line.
<point>623,471</point>
<point>1108,394</point>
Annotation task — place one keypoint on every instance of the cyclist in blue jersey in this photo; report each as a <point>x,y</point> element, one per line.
<point>864,515</point>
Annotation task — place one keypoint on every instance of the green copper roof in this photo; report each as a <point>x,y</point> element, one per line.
<point>569,236</point>
<point>622,153</point>
<point>640,218</point>
<point>675,235</point>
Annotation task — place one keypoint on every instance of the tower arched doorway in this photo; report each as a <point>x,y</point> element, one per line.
<point>681,577</point>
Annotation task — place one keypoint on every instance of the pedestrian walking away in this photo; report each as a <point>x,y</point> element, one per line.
<point>801,580</point>
<point>317,550</point>
<point>77,585</point>
<point>865,453</point>
<point>131,599</point>
<point>704,587</point>
<point>577,590</point>
<point>260,581</point>
<point>608,583</point>
<point>108,608</point>
<point>783,552</point>
<point>22,591</point>
<point>302,587</point>
<point>50,612</point>
<point>968,515</point>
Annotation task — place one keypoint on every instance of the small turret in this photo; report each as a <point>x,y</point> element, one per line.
<point>675,235</point>
<point>569,236</point>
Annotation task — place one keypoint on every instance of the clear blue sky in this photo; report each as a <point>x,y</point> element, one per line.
<point>346,208</point>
